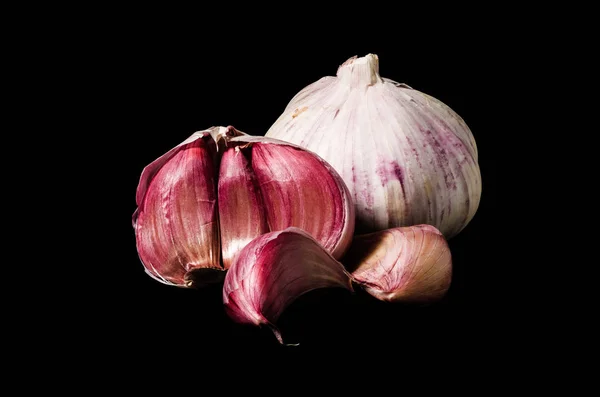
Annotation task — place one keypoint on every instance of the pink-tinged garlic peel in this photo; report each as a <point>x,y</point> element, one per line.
<point>404,264</point>
<point>236,187</point>
<point>241,208</point>
<point>176,220</point>
<point>274,270</point>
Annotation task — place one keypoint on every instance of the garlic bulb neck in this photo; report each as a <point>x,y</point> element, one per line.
<point>359,72</point>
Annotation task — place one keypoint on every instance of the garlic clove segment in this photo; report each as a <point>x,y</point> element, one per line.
<point>272,271</point>
<point>241,209</point>
<point>404,264</point>
<point>405,156</point>
<point>176,224</point>
<point>299,189</point>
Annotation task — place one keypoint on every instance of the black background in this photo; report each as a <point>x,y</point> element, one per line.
<point>158,80</point>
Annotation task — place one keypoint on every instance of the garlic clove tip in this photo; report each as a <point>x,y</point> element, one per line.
<point>202,277</point>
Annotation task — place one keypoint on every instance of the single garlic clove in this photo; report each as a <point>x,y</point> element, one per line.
<point>176,225</point>
<point>241,209</point>
<point>275,269</point>
<point>404,264</point>
<point>299,189</point>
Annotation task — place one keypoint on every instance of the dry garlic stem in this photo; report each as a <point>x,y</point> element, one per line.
<point>404,264</point>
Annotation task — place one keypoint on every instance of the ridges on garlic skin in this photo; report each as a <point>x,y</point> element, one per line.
<point>410,264</point>
<point>204,200</point>
<point>241,206</point>
<point>274,270</point>
<point>406,157</point>
<point>176,220</point>
<point>406,264</point>
<point>297,188</point>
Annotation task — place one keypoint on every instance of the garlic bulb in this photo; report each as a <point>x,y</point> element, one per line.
<point>406,157</point>
<point>201,202</point>
<point>275,269</point>
<point>403,264</point>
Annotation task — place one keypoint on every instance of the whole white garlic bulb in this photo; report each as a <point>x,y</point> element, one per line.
<point>406,157</point>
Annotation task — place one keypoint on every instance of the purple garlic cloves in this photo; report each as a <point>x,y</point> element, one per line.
<point>204,200</point>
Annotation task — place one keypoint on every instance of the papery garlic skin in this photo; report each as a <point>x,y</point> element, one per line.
<point>241,207</point>
<point>406,157</point>
<point>299,189</point>
<point>204,200</point>
<point>404,264</point>
<point>275,269</point>
<point>176,221</point>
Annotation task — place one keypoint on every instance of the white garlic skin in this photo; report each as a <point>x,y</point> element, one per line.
<point>406,157</point>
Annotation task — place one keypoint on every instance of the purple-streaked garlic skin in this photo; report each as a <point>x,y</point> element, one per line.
<point>275,269</point>
<point>241,208</point>
<point>269,185</point>
<point>406,157</point>
<point>204,200</point>
<point>176,222</point>
<point>404,264</point>
<point>299,189</point>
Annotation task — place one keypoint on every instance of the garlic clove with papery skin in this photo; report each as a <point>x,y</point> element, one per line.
<point>406,157</point>
<point>176,225</point>
<point>268,185</point>
<point>300,189</point>
<point>405,264</point>
<point>241,206</point>
<point>275,269</point>
<point>203,201</point>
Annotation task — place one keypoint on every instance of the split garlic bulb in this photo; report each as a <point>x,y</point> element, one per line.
<point>203,201</point>
<point>406,157</point>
